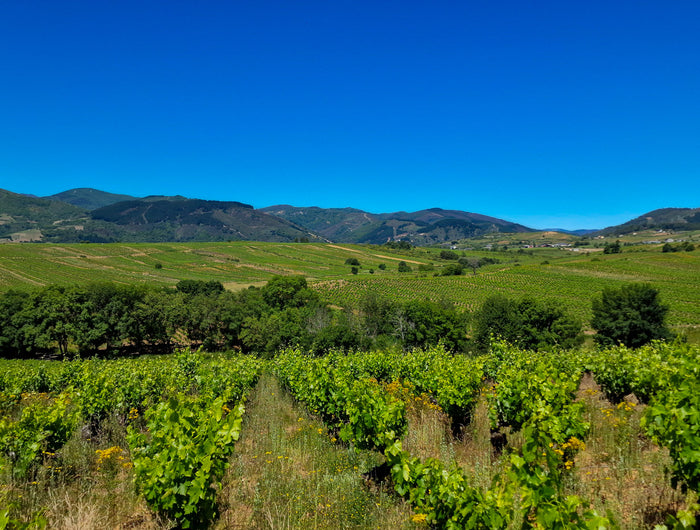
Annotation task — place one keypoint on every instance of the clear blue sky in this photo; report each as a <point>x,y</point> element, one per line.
<point>575,114</point>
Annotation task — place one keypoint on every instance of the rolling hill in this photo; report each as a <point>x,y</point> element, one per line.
<point>424,227</point>
<point>90,215</point>
<point>26,218</point>
<point>89,198</point>
<point>662,219</point>
<point>151,219</point>
<point>182,219</point>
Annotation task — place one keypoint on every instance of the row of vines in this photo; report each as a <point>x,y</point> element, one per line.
<point>363,398</point>
<point>182,416</point>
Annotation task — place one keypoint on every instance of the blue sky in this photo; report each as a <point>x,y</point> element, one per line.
<point>553,114</point>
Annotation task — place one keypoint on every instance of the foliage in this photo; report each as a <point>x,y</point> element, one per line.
<point>352,261</point>
<point>287,291</point>
<point>404,267</point>
<point>193,287</point>
<point>453,269</point>
<point>449,255</point>
<point>527,322</point>
<point>612,248</point>
<point>44,426</point>
<point>374,418</point>
<point>338,389</point>
<point>632,315</point>
<point>686,246</point>
<point>179,463</point>
<point>673,419</point>
<point>398,245</point>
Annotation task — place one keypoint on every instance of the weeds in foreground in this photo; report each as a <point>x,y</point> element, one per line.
<point>621,470</point>
<point>290,472</point>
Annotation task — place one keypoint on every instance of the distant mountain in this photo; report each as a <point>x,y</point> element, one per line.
<point>181,219</point>
<point>581,232</point>
<point>89,198</point>
<point>662,219</point>
<point>336,224</point>
<point>25,218</point>
<point>151,219</point>
<point>424,227</point>
<point>87,214</point>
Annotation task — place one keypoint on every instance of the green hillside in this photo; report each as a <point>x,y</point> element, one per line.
<point>24,218</point>
<point>662,219</point>
<point>569,278</point>
<point>89,198</point>
<point>424,227</point>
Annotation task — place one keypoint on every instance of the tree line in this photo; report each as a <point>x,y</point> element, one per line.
<point>114,319</point>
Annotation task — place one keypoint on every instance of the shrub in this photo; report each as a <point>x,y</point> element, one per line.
<point>632,315</point>
<point>449,255</point>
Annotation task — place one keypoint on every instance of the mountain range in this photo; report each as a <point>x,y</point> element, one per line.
<point>86,214</point>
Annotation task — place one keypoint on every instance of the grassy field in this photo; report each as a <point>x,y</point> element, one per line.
<point>570,278</point>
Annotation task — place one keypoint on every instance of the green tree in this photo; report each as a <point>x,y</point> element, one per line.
<point>352,261</point>
<point>425,323</point>
<point>612,248</point>
<point>404,267</point>
<point>195,287</point>
<point>287,291</point>
<point>449,255</point>
<point>12,318</point>
<point>632,315</point>
<point>526,322</point>
<point>453,269</point>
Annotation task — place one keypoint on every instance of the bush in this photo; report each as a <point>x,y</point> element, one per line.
<point>354,270</point>
<point>686,246</point>
<point>528,323</point>
<point>453,269</point>
<point>382,267</point>
<point>352,261</point>
<point>612,248</point>
<point>632,315</point>
<point>404,267</point>
<point>449,255</point>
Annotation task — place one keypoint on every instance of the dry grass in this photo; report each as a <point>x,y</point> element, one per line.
<point>621,471</point>
<point>290,472</point>
<point>76,489</point>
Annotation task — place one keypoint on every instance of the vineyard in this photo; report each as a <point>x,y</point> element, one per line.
<point>166,263</point>
<point>571,283</point>
<point>511,439</point>
<point>565,277</point>
<point>404,436</point>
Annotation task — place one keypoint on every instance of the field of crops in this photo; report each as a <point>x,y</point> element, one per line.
<point>512,439</point>
<point>167,263</point>
<point>572,282</point>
